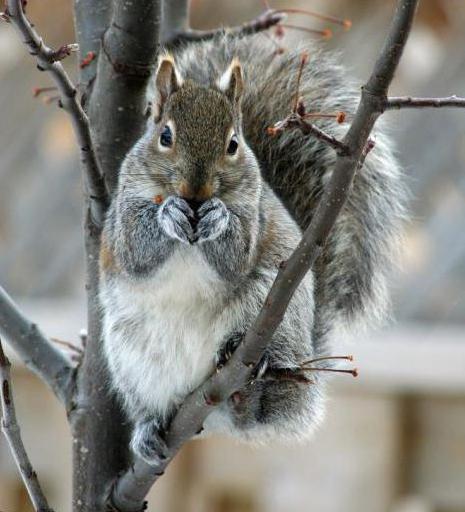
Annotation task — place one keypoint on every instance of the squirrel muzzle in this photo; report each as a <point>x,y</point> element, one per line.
<point>197,193</point>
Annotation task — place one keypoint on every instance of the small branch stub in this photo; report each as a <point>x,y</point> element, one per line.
<point>294,120</point>
<point>64,51</point>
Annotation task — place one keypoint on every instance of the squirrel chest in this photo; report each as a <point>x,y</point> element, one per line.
<point>161,328</point>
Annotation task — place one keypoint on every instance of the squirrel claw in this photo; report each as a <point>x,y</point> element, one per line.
<point>225,353</point>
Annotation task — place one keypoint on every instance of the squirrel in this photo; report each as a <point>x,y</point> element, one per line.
<point>207,207</point>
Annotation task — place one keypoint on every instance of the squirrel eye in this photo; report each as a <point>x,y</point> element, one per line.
<point>166,137</point>
<point>233,145</point>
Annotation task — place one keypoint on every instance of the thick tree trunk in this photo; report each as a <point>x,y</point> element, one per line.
<point>116,104</point>
<point>99,436</point>
<point>98,429</point>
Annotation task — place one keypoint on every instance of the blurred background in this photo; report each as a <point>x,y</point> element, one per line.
<point>394,439</point>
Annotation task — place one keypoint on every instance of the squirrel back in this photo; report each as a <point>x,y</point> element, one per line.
<point>359,254</point>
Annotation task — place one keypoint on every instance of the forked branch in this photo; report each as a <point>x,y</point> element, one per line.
<point>294,120</point>
<point>264,21</point>
<point>12,433</point>
<point>35,350</point>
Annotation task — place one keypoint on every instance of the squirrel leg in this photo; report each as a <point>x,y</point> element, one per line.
<point>147,441</point>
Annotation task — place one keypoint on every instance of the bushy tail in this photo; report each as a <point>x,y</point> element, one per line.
<point>351,273</point>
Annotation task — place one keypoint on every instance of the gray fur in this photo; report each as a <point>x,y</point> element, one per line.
<point>183,280</point>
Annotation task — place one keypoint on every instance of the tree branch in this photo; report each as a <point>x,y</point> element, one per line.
<point>37,353</point>
<point>130,490</point>
<point>398,102</point>
<point>12,433</point>
<point>294,120</point>
<point>118,104</point>
<point>47,61</point>
<point>264,21</point>
<point>117,107</point>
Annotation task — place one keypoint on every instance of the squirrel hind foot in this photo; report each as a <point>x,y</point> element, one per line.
<point>147,442</point>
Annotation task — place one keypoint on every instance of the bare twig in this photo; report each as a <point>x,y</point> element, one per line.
<point>298,117</point>
<point>12,433</point>
<point>325,33</point>
<point>347,24</point>
<point>264,21</point>
<point>64,51</point>
<point>35,350</point>
<point>303,61</point>
<point>37,91</point>
<point>76,354</point>
<point>366,150</point>
<point>294,120</point>
<point>352,371</point>
<point>48,60</point>
<point>396,103</point>
<point>129,491</point>
<point>70,346</point>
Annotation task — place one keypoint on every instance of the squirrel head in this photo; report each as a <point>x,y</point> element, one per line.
<point>196,145</point>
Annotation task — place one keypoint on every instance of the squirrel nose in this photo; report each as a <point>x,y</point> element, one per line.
<point>197,194</point>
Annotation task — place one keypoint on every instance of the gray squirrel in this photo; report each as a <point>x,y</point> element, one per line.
<point>207,207</point>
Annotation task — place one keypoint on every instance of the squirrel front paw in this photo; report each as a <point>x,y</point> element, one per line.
<point>213,220</point>
<point>147,442</point>
<point>175,217</point>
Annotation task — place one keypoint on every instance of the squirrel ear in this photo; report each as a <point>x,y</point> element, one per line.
<point>167,80</point>
<point>232,81</point>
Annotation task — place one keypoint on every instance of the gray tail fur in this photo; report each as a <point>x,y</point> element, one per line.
<point>351,273</point>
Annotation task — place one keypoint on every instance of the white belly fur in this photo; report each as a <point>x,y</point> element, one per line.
<point>177,320</point>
